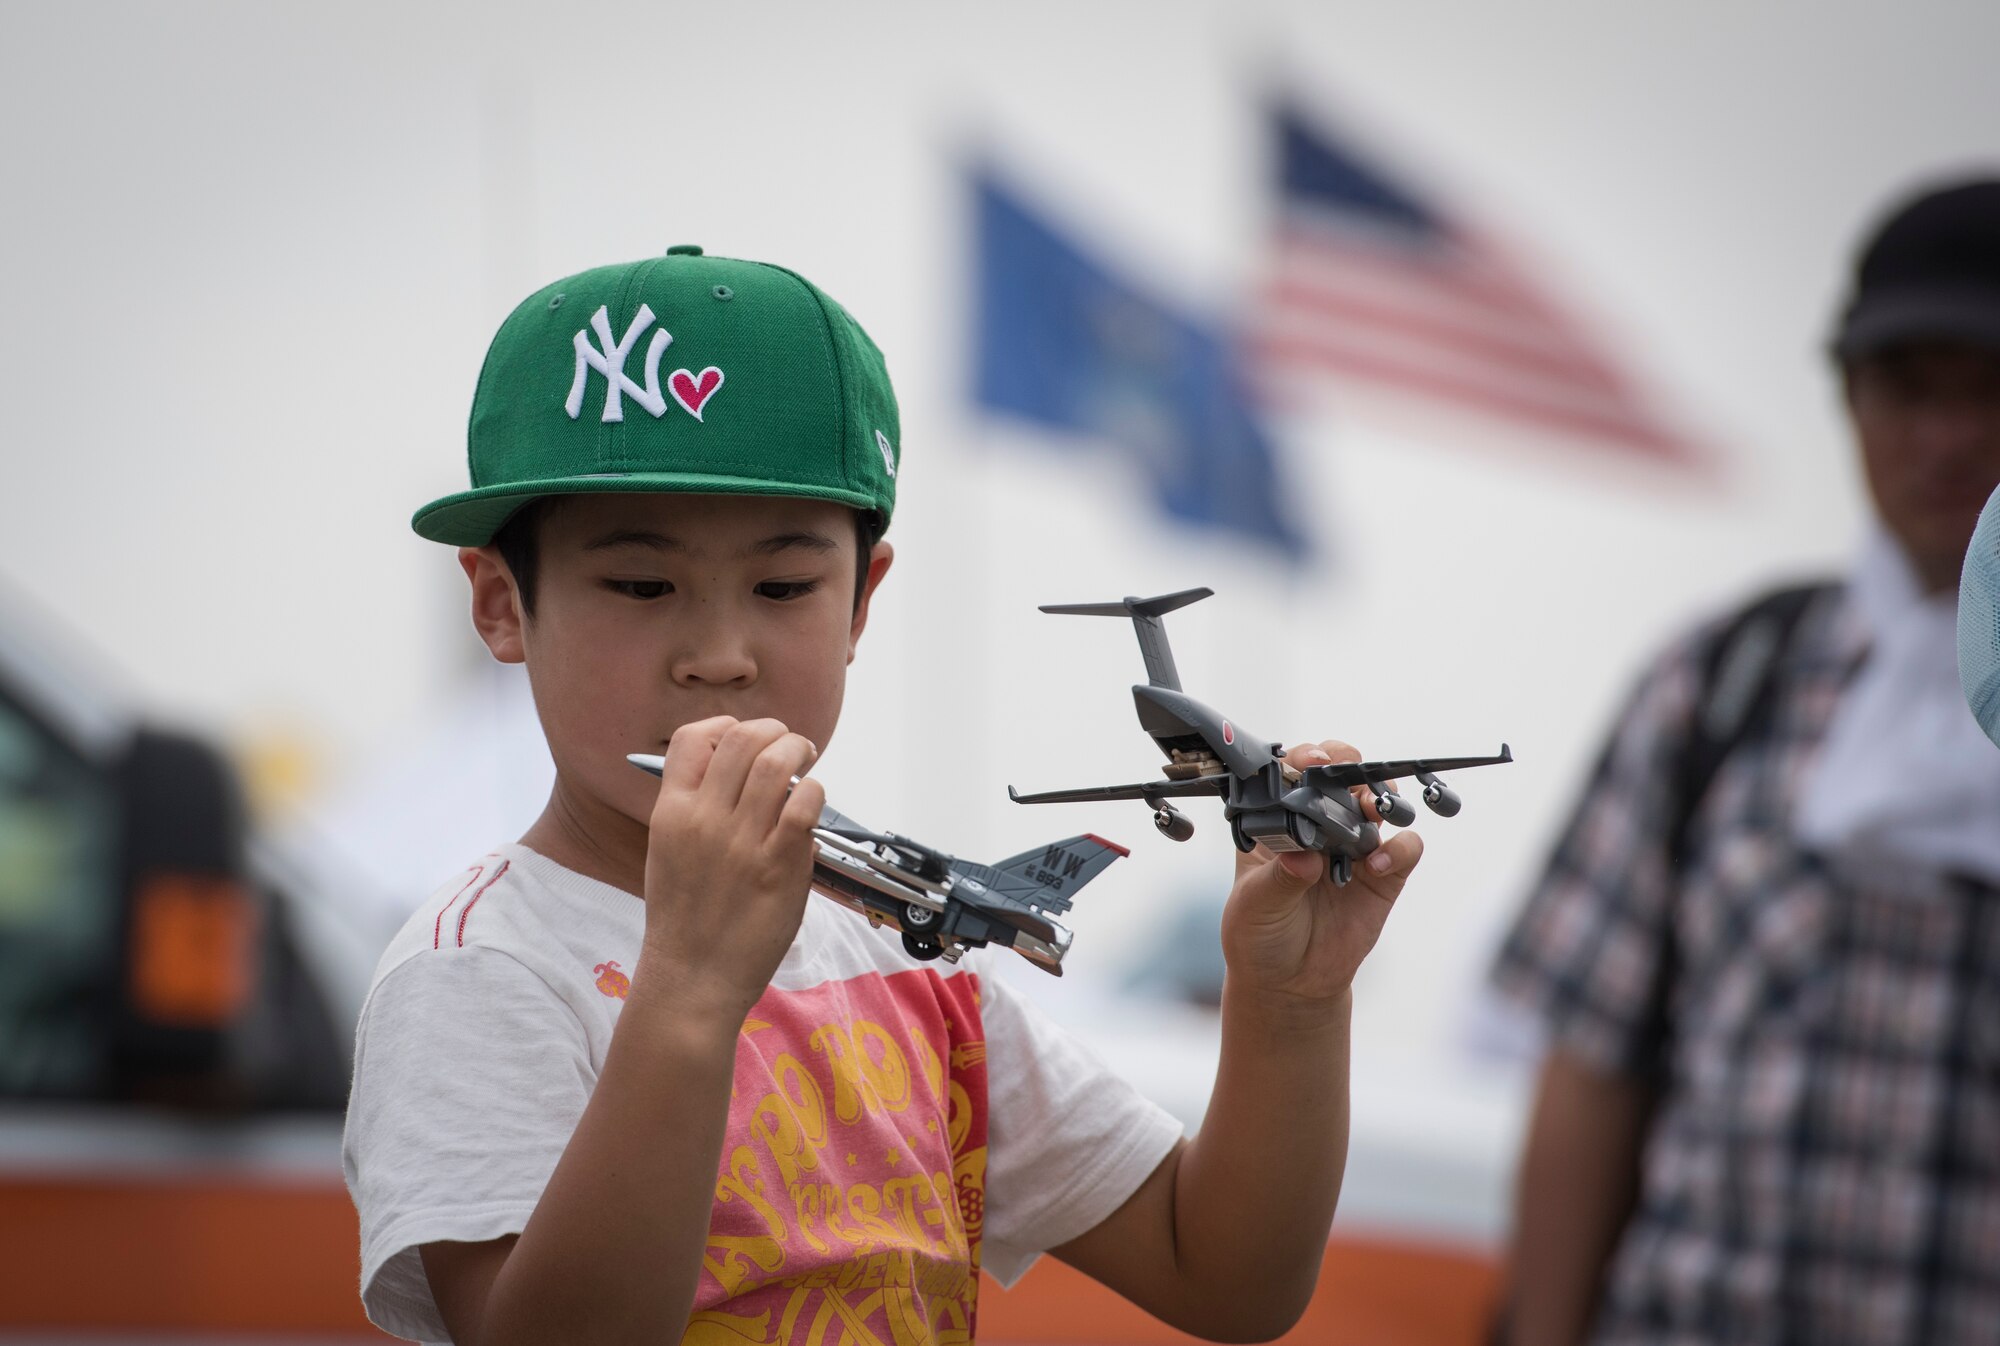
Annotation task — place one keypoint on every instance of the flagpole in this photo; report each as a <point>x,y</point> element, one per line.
<point>962,585</point>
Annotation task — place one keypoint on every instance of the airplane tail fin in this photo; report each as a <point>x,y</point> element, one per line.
<point>1049,876</point>
<point>1145,614</point>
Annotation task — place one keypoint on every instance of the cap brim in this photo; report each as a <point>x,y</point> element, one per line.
<point>1901,318</point>
<point>471,518</point>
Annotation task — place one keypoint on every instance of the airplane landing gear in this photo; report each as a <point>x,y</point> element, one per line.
<point>920,926</point>
<point>921,948</point>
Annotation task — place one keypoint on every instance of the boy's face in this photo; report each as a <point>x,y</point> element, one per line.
<point>652,611</point>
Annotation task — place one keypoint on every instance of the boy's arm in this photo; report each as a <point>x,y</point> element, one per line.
<point>613,1250</point>
<point>1579,1179</point>
<point>1226,1238</point>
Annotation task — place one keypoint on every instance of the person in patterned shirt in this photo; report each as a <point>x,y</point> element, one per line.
<point>622,1080</point>
<point>1766,950</point>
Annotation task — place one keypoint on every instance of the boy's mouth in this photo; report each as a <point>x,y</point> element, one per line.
<point>738,713</point>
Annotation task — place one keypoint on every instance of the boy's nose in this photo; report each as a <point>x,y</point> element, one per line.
<point>716,662</point>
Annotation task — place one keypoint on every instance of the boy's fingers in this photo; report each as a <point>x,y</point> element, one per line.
<point>690,750</point>
<point>1393,860</point>
<point>1333,750</point>
<point>739,747</point>
<point>802,807</point>
<point>771,775</point>
<point>1275,887</point>
<point>1303,755</point>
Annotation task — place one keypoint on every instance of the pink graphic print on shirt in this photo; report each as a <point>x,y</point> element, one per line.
<point>853,1177</point>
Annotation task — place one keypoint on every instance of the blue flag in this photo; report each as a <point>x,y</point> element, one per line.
<point>1064,343</point>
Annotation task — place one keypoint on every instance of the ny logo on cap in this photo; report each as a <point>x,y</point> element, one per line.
<point>691,390</point>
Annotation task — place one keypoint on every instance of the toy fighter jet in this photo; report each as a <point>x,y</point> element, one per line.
<point>942,905</point>
<point>1266,801</point>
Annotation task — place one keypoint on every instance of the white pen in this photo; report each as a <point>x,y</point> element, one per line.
<point>656,764</point>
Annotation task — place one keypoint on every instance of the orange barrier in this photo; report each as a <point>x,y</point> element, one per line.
<point>180,1255</point>
<point>248,1255</point>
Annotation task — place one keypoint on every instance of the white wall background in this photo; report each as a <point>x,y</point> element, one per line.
<point>252,255</point>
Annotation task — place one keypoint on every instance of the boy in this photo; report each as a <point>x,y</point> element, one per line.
<point>793,1128</point>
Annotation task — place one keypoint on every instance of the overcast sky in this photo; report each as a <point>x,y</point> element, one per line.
<point>254,252</point>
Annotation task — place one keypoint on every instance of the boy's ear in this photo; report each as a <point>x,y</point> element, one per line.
<point>879,557</point>
<point>496,607</point>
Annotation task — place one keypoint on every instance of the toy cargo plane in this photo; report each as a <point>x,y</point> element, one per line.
<point>1266,801</point>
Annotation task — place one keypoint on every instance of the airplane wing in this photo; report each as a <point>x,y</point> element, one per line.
<point>1151,790</point>
<point>839,823</point>
<point>1370,773</point>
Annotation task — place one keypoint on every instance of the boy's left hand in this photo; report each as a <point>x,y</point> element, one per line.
<point>1288,932</point>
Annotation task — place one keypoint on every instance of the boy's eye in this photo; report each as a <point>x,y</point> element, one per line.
<point>639,588</point>
<point>783,590</point>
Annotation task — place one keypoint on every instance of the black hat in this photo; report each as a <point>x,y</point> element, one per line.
<point>1931,271</point>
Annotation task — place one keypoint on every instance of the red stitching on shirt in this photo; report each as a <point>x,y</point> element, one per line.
<point>475,898</point>
<point>437,931</point>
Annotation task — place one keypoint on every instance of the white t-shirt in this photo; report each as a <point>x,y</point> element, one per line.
<point>894,1126</point>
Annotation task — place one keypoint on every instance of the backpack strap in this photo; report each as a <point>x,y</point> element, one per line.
<point>1734,700</point>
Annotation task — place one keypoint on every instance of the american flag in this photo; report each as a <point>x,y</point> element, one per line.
<point>1370,283</point>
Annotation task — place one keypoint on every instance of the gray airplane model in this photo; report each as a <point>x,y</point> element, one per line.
<point>943,905</point>
<point>1265,800</point>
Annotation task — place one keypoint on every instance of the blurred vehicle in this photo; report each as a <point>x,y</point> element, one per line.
<point>174,1042</point>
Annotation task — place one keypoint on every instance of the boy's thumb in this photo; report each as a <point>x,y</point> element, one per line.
<point>1282,880</point>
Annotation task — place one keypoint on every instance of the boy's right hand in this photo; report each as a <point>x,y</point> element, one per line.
<point>728,864</point>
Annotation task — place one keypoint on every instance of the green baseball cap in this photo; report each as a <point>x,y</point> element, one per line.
<point>675,373</point>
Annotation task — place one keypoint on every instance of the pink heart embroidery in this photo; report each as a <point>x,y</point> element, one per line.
<point>692,392</point>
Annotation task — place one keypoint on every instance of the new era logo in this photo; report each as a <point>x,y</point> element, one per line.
<point>608,358</point>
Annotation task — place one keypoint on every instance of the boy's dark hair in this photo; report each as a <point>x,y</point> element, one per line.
<point>518,538</point>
